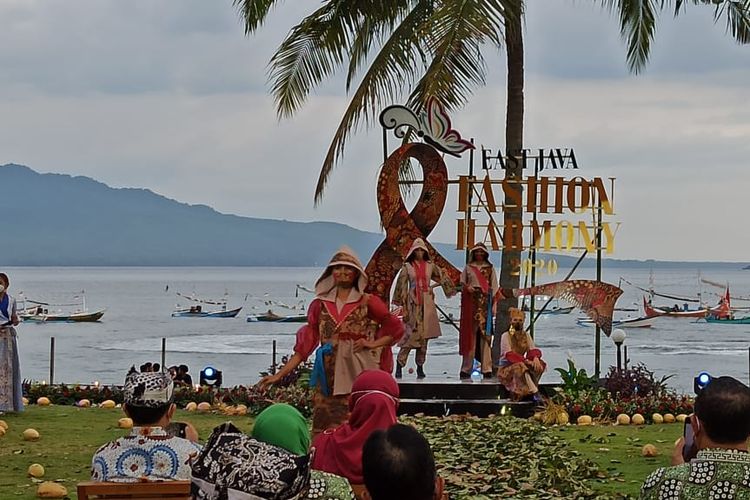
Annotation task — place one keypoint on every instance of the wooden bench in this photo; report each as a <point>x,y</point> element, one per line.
<point>174,490</point>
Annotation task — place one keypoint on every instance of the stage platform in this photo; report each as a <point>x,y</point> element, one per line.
<point>441,397</point>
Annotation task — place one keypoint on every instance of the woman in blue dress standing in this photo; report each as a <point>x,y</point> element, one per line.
<point>11,395</point>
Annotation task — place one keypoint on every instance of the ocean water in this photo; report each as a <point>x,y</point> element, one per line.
<point>139,303</point>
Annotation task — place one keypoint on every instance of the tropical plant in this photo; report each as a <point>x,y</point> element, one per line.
<point>637,380</point>
<point>574,380</point>
<point>433,48</point>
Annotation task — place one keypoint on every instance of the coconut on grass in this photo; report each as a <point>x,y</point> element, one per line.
<point>623,419</point>
<point>638,419</point>
<point>649,450</point>
<point>43,401</point>
<point>584,420</point>
<point>50,489</point>
<point>108,404</point>
<point>4,424</point>
<point>657,418</point>
<point>35,470</point>
<point>191,406</point>
<point>30,435</point>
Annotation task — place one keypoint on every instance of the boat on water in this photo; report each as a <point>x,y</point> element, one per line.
<point>729,321</point>
<point>198,311</point>
<point>41,312</point>
<point>672,312</point>
<point>275,318</point>
<point>642,322</point>
<point>40,315</point>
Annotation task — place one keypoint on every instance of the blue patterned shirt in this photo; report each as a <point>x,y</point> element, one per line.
<point>146,454</point>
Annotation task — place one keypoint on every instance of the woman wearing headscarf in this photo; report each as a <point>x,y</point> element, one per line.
<point>415,296</point>
<point>11,395</point>
<point>373,403</point>
<point>352,331</point>
<point>479,288</point>
<point>283,426</point>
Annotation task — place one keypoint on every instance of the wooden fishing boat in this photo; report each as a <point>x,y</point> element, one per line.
<point>275,318</point>
<point>729,321</point>
<point>652,311</point>
<point>198,311</point>
<point>643,322</point>
<point>76,317</point>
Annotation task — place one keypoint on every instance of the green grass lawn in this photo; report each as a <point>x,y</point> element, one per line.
<point>69,437</point>
<point>617,451</point>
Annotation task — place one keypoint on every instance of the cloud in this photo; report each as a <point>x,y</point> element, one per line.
<point>171,95</point>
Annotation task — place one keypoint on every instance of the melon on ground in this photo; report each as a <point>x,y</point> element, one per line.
<point>562,418</point>
<point>623,419</point>
<point>30,435</point>
<point>35,470</point>
<point>108,404</point>
<point>125,423</point>
<point>84,403</point>
<point>584,420</point>
<point>2,431</point>
<point>657,418</point>
<point>681,418</point>
<point>668,418</point>
<point>51,489</point>
<point>43,401</point>
<point>4,424</point>
<point>649,450</point>
<point>204,406</point>
<point>638,419</point>
<point>191,406</point>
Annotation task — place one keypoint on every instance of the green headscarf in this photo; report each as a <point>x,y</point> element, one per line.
<point>283,426</point>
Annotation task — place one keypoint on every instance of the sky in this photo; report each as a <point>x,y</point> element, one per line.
<point>170,95</point>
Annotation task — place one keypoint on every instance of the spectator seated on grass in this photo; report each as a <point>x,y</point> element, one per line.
<point>398,465</point>
<point>148,453</point>
<point>283,426</point>
<point>721,468</point>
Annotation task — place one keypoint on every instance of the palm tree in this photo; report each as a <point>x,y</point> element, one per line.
<point>435,48</point>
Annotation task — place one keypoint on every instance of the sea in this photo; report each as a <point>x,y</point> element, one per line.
<point>139,302</point>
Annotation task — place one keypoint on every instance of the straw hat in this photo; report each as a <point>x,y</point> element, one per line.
<point>343,256</point>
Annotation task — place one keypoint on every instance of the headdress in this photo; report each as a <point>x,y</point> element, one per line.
<point>344,256</point>
<point>418,243</point>
<point>479,246</point>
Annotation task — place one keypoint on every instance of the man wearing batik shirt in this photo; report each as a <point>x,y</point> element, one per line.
<point>148,453</point>
<point>721,468</point>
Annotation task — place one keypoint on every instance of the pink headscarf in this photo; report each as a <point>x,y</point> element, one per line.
<point>372,403</point>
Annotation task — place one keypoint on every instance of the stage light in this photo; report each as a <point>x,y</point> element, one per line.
<point>211,377</point>
<point>701,381</point>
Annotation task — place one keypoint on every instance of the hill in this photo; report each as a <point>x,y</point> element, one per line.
<point>60,220</point>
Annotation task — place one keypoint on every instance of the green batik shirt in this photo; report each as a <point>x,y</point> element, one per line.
<point>713,474</point>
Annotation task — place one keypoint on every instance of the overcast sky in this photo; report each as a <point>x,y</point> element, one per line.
<point>170,95</point>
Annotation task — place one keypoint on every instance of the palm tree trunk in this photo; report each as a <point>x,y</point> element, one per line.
<point>511,257</point>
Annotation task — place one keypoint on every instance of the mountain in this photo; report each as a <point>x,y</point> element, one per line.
<point>59,220</point>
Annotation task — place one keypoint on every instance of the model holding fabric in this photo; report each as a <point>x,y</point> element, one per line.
<point>521,364</point>
<point>11,394</point>
<point>479,288</point>
<point>415,296</point>
<point>352,332</point>
<point>373,404</point>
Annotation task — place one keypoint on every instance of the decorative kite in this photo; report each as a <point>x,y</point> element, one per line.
<point>595,298</point>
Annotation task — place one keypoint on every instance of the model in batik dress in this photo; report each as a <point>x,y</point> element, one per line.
<point>478,293</point>
<point>352,331</point>
<point>11,395</point>
<point>414,293</point>
<point>521,364</point>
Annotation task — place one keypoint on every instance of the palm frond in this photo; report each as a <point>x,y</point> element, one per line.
<point>458,30</point>
<point>254,12</point>
<point>738,19</point>
<point>397,64</point>
<point>638,27</point>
